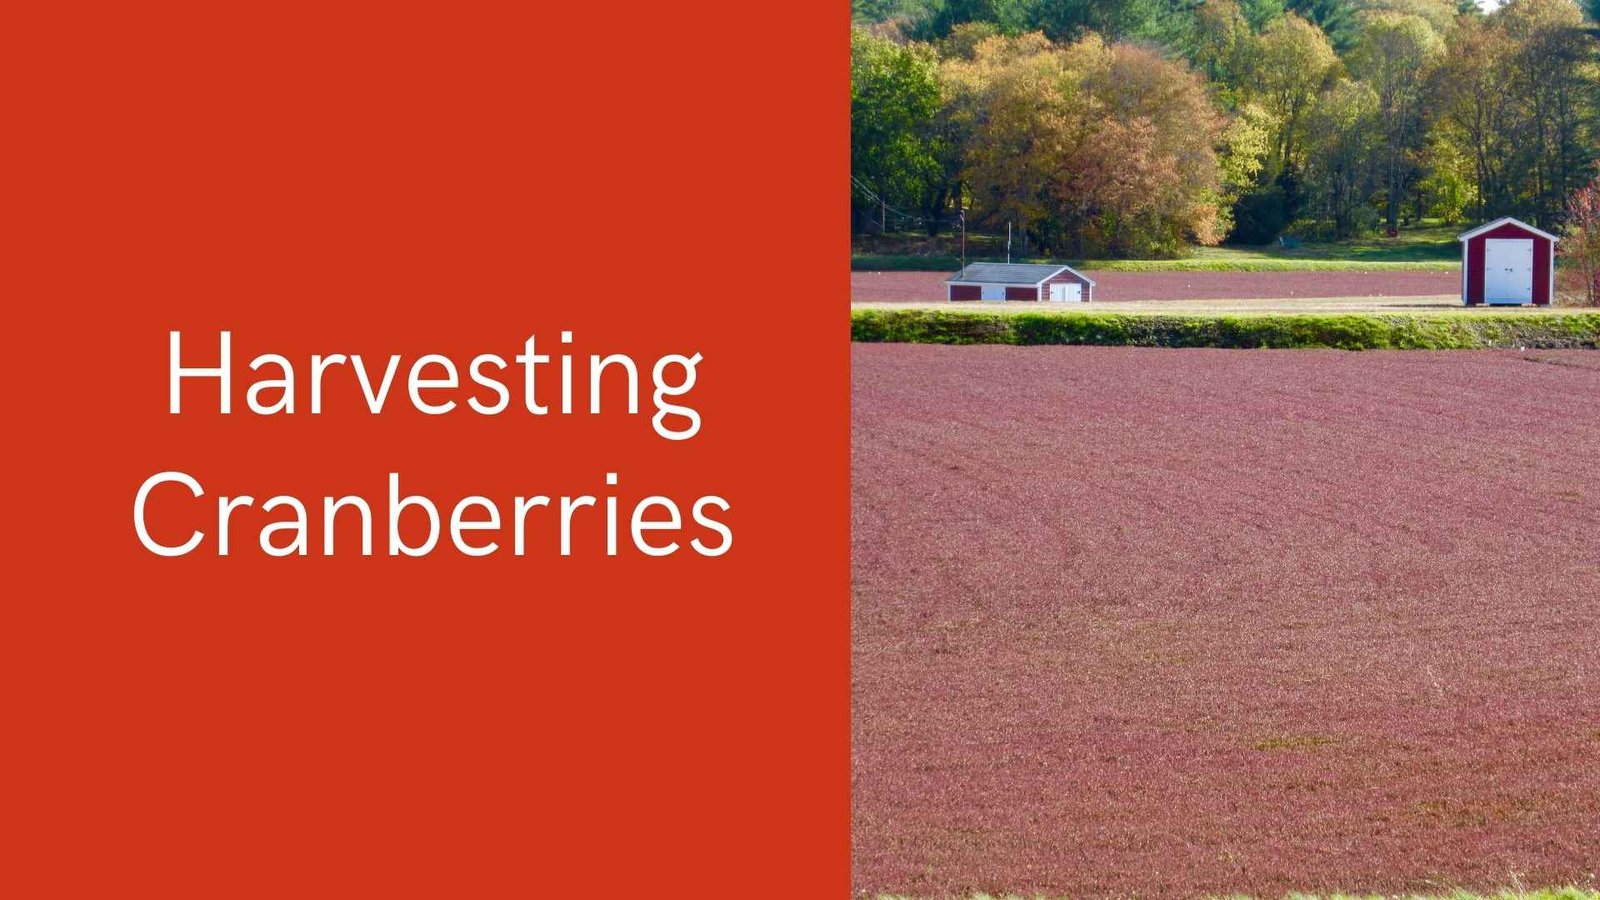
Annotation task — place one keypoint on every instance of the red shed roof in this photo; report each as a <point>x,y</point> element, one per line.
<point>1505,220</point>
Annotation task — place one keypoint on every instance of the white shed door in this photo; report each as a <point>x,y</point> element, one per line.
<point>1066,293</point>
<point>993,292</point>
<point>1508,270</point>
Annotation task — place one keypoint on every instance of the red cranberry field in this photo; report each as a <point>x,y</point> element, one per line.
<point>925,287</point>
<point>1200,622</point>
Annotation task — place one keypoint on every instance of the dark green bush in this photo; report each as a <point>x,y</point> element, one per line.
<point>1345,331</point>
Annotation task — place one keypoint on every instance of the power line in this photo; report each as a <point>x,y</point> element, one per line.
<point>875,197</point>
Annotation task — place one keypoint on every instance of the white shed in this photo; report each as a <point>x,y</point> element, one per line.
<point>1020,281</point>
<point>1507,263</point>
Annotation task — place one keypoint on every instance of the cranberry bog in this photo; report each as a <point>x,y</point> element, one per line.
<point>1172,622</point>
<point>923,287</point>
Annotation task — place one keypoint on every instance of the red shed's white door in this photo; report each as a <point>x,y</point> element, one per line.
<point>1066,293</point>
<point>1508,270</point>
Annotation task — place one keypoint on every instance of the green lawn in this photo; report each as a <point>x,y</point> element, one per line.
<point>1430,247</point>
<point>1428,243</point>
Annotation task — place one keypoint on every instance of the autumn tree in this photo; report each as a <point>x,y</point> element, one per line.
<point>1080,122</point>
<point>963,40</point>
<point>1293,62</point>
<point>1579,248</point>
<point>1441,15</point>
<point>1153,157</point>
<point>1225,45</point>
<point>1334,18</point>
<point>1395,53</point>
<point>1343,128</point>
<point>1554,84</point>
<point>1518,88</point>
<point>1008,95</point>
<point>1477,112</point>
<point>1445,189</point>
<point>1242,152</point>
<point>1089,146</point>
<point>1280,73</point>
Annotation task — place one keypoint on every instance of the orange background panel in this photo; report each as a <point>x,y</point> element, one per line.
<point>396,179</point>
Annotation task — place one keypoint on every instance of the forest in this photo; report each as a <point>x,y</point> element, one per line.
<point>1139,128</point>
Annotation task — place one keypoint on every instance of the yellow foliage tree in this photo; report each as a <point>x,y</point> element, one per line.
<point>1089,147</point>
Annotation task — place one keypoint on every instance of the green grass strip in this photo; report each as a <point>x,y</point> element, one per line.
<point>1202,264</point>
<point>1343,331</point>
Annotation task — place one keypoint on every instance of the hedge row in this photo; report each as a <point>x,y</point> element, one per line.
<point>1345,331</point>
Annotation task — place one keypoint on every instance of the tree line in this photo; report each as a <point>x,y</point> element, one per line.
<point>1138,127</point>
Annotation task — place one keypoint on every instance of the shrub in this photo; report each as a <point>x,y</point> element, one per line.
<point>1452,331</point>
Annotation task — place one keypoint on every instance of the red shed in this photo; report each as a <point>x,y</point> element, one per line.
<point>1507,262</point>
<point>1019,281</point>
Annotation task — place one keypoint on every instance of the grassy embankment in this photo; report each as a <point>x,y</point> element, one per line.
<point>1422,331</point>
<point>1431,247</point>
<point>1569,893</point>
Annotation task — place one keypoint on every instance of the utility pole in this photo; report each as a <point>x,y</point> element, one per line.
<point>963,242</point>
<point>1008,243</point>
<point>883,216</point>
